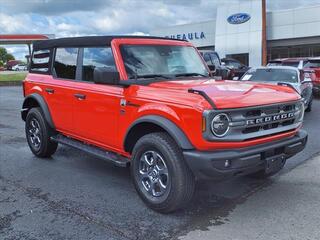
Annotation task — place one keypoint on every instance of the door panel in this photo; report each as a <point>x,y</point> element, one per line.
<point>60,88</point>
<point>96,106</point>
<point>96,113</point>
<point>60,104</point>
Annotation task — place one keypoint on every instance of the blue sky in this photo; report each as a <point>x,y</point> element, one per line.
<point>101,17</point>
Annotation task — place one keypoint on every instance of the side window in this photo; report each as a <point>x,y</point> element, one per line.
<point>96,57</point>
<point>215,59</point>
<point>65,63</point>
<point>40,61</point>
<point>206,57</point>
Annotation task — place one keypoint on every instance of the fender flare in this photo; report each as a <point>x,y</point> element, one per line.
<point>42,104</point>
<point>170,127</point>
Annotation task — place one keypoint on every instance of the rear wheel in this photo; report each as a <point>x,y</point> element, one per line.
<point>160,175</point>
<point>38,134</point>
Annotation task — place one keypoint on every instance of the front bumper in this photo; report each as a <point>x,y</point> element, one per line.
<point>242,161</point>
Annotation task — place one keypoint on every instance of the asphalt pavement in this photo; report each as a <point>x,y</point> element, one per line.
<point>76,196</point>
<point>288,210</point>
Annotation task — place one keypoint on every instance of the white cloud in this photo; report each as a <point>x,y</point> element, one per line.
<point>19,51</point>
<point>102,17</point>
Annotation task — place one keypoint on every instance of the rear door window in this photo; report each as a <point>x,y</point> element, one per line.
<point>40,61</point>
<point>96,57</point>
<point>65,63</point>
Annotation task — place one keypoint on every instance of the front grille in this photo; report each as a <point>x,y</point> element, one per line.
<point>265,112</point>
<point>255,122</point>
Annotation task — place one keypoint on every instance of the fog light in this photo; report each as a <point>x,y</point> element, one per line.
<point>227,163</point>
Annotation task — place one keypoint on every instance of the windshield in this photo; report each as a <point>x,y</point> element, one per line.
<point>271,75</point>
<point>233,64</point>
<point>291,63</point>
<point>162,61</point>
<point>312,64</point>
<point>274,64</point>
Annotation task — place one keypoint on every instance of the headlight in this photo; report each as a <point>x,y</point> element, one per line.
<point>300,110</point>
<point>220,125</point>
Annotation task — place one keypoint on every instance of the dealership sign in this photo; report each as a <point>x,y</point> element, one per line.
<point>238,18</point>
<point>188,36</point>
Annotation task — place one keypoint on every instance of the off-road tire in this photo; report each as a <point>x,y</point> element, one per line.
<point>46,147</point>
<point>180,177</point>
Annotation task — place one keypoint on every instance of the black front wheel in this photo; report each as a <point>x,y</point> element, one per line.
<point>38,134</point>
<point>160,175</point>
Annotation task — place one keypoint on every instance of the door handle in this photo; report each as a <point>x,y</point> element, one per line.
<point>49,90</point>
<point>80,96</point>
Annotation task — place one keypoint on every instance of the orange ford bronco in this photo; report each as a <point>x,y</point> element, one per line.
<point>151,103</point>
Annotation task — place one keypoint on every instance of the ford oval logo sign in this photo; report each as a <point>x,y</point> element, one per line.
<point>238,18</point>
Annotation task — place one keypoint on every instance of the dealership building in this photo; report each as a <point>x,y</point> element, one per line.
<point>237,32</point>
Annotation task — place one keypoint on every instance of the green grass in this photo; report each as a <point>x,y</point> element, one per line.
<point>12,77</point>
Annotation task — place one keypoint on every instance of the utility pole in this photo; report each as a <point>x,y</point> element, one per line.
<point>264,34</point>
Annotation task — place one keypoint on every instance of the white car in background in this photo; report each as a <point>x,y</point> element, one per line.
<point>20,67</point>
<point>297,79</point>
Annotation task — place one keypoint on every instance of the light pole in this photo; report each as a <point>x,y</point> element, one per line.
<point>264,33</point>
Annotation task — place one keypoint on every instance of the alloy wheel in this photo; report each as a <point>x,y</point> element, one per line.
<point>34,132</point>
<point>153,174</point>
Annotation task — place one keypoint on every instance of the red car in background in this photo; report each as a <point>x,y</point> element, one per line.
<point>311,67</point>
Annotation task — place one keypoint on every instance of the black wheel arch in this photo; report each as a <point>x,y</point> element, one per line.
<point>154,123</point>
<point>36,100</point>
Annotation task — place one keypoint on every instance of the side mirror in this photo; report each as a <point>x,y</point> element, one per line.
<point>104,75</point>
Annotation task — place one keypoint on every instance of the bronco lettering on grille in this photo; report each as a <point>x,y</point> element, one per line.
<point>270,119</point>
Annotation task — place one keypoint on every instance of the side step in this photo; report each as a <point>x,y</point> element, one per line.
<point>116,159</point>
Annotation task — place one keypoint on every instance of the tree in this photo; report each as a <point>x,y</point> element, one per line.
<point>9,57</point>
<point>5,56</point>
<point>3,53</point>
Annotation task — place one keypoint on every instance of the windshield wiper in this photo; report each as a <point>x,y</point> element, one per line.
<point>190,75</point>
<point>153,76</point>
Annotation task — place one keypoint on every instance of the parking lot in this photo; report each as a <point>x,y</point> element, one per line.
<point>76,196</point>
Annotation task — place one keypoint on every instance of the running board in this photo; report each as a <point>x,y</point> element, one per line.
<point>116,159</point>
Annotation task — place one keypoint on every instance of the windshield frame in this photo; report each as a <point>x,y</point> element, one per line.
<point>117,43</point>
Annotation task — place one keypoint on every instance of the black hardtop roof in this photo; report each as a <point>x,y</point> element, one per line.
<point>86,41</point>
